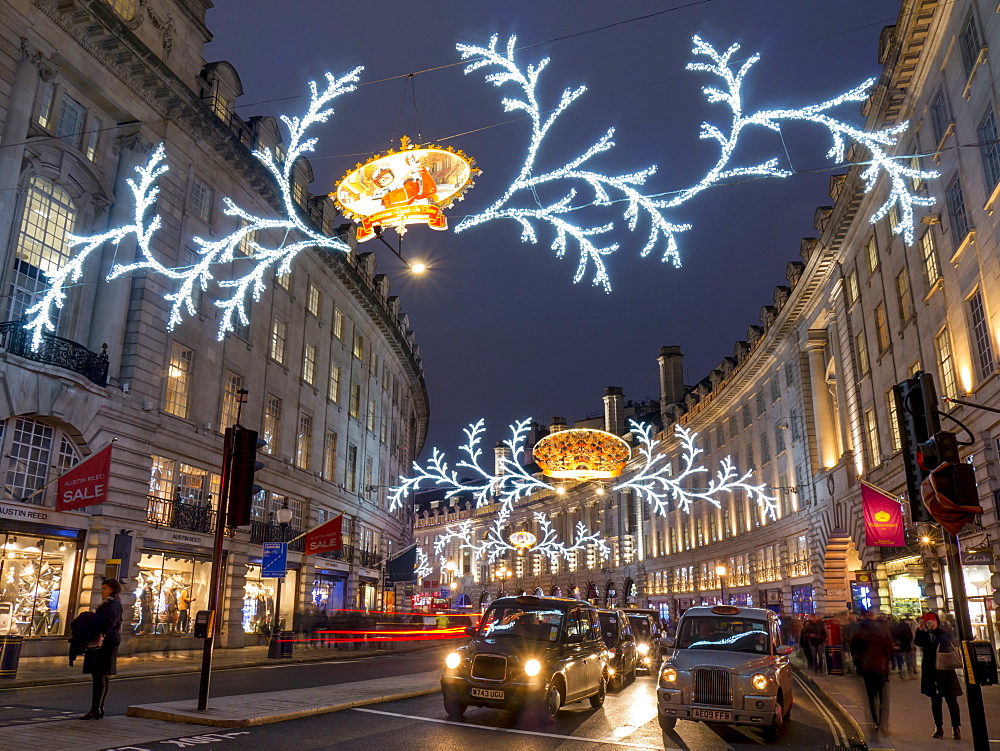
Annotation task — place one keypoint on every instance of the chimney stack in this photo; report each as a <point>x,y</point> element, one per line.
<point>614,410</point>
<point>558,424</point>
<point>671,376</point>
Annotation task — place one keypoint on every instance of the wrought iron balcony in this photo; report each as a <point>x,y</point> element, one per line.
<point>369,559</point>
<point>265,532</point>
<point>54,350</point>
<point>180,514</point>
<point>345,554</point>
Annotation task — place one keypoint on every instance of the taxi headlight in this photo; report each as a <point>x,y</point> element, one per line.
<point>759,681</point>
<point>642,649</point>
<point>453,660</point>
<point>532,667</point>
<point>669,675</point>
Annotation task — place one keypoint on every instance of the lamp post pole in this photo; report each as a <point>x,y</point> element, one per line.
<point>283,516</point>
<point>721,572</point>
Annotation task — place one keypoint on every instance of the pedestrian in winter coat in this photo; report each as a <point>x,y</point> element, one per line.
<point>872,649</point>
<point>101,662</point>
<point>938,684</point>
<point>902,638</point>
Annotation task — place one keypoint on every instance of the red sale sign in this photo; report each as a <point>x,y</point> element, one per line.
<point>86,484</point>
<point>325,537</point>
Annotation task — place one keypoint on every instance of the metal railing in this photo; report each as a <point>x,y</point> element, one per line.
<point>180,514</point>
<point>369,559</point>
<point>345,554</point>
<point>267,532</point>
<point>54,350</point>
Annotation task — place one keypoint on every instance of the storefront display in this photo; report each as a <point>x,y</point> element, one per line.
<point>258,601</point>
<point>170,586</point>
<point>327,592</point>
<point>980,594</point>
<point>802,600</point>
<point>36,574</point>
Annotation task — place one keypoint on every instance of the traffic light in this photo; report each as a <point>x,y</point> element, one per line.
<point>916,414</point>
<point>244,445</point>
<point>952,500</point>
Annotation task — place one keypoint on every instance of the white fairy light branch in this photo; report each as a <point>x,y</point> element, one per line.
<point>532,211</point>
<point>423,568</point>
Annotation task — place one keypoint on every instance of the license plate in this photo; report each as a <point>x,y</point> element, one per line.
<point>715,715</point>
<point>486,693</point>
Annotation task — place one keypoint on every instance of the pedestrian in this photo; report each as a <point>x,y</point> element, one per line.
<point>814,634</point>
<point>872,649</point>
<point>902,639</point>
<point>937,681</point>
<point>100,661</point>
<point>911,656</point>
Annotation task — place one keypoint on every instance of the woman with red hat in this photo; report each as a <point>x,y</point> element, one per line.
<point>938,683</point>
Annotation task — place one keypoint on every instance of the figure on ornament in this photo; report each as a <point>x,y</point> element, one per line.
<point>418,187</point>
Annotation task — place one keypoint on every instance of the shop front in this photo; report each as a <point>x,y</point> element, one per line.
<point>259,593</point>
<point>367,593</point>
<point>328,591</point>
<point>905,578</point>
<point>170,587</point>
<point>802,599</point>
<point>980,595</point>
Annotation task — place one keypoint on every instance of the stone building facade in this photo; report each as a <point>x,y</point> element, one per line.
<point>87,89</point>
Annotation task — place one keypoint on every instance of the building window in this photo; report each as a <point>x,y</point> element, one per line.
<point>333,386</point>
<point>272,421</point>
<point>338,324</point>
<point>241,324</point>
<point>890,403</point>
<point>359,347</point>
<point>917,166</point>
<point>955,199</point>
<point>946,363</point>
<point>309,355</point>
<point>881,327</point>
<point>903,296</point>
<point>126,9</point>
<point>929,259</point>
<point>384,432</point>
<point>970,44</point>
<point>314,300</point>
<point>284,279</point>
<point>303,441</point>
<point>70,124</point>
<point>179,380</point>
<point>230,401</point>
<point>779,438</point>
<point>352,468</point>
<point>871,433</point>
<point>201,199</point>
<point>355,406</point>
<point>940,115</point>
<point>330,456</point>
<point>245,245</point>
<point>369,475</point>
<point>981,334</point>
<point>28,459</point>
<point>989,149</point>
<point>279,339</point>
<point>47,218</point>
<point>871,254</point>
<point>371,416</point>
<point>789,373</point>
<point>92,136</point>
<point>747,420</point>
<point>861,352</point>
<point>45,107</point>
<point>852,287</point>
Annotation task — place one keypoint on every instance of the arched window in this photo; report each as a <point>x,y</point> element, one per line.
<point>34,453</point>
<point>47,218</point>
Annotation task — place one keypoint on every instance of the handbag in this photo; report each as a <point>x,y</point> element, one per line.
<point>96,642</point>
<point>947,660</point>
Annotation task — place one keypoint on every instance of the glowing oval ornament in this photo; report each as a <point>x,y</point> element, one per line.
<point>582,454</point>
<point>523,540</point>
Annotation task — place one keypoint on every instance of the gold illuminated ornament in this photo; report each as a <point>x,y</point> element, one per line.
<point>523,540</point>
<point>882,516</point>
<point>582,454</point>
<point>409,186</point>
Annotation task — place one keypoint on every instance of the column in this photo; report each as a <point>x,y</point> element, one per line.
<point>826,437</point>
<point>31,66</point>
<point>111,300</point>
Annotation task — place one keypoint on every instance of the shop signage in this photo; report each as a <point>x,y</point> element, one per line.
<point>326,537</point>
<point>974,557</point>
<point>275,560</point>
<point>22,512</point>
<point>86,484</point>
<point>883,518</point>
<point>181,537</point>
<point>409,186</point>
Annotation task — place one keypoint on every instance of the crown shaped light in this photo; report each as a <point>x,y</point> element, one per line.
<point>582,454</point>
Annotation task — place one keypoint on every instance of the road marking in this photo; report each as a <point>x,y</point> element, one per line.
<point>603,741</point>
<point>839,734</point>
<point>300,664</point>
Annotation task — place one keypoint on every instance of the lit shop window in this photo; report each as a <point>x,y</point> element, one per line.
<point>36,577</point>
<point>169,589</point>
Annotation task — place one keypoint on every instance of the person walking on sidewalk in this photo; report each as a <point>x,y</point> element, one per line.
<point>101,662</point>
<point>935,682</point>
<point>902,639</point>
<point>872,650</point>
<point>814,642</point>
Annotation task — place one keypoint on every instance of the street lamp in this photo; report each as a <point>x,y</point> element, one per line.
<point>283,516</point>
<point>720,571</point>
<point>503,572</point>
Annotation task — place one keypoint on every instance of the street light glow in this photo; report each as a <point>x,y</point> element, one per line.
<point>418,268</point>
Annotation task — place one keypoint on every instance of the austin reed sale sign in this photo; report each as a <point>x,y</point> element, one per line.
<point>86,484</point>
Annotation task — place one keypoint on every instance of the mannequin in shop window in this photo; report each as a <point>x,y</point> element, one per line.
<point>184,600</point>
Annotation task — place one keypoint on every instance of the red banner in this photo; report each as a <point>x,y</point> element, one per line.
<point>326,537</point>
<point>883,518</point>
<point>86,484</point>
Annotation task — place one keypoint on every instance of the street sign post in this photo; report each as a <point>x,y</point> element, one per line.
<point>275,560</point>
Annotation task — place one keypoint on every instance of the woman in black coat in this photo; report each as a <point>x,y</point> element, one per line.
<point>101,663</point>
<point>938,684</point>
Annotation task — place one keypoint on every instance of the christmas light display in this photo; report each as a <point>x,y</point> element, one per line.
<point>504,70</point>
<point>653,481</point>
<point>424,567</point>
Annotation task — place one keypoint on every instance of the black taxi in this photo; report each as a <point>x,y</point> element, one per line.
<point>529,655</point>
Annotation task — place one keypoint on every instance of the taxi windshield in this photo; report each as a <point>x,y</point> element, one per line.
<point>522,622</point>
<point>723,633</point>
<point>609,627</point>
<point>640,627</point>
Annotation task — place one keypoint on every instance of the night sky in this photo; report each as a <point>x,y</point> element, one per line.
<point>503,331</point>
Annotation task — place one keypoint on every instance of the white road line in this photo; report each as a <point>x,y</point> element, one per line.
<point>602,741</point>
<point>838,733</point>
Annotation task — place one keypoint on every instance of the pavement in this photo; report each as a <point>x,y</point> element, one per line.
<point>910,725</point>
<point>50,671</point>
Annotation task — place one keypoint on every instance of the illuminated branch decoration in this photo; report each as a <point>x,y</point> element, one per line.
<point>584,538</point>
<point>292,232</point>
<point>424,568</point>
<point>656,484</point>
<point>626,188</point>
<point>40,314</point>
